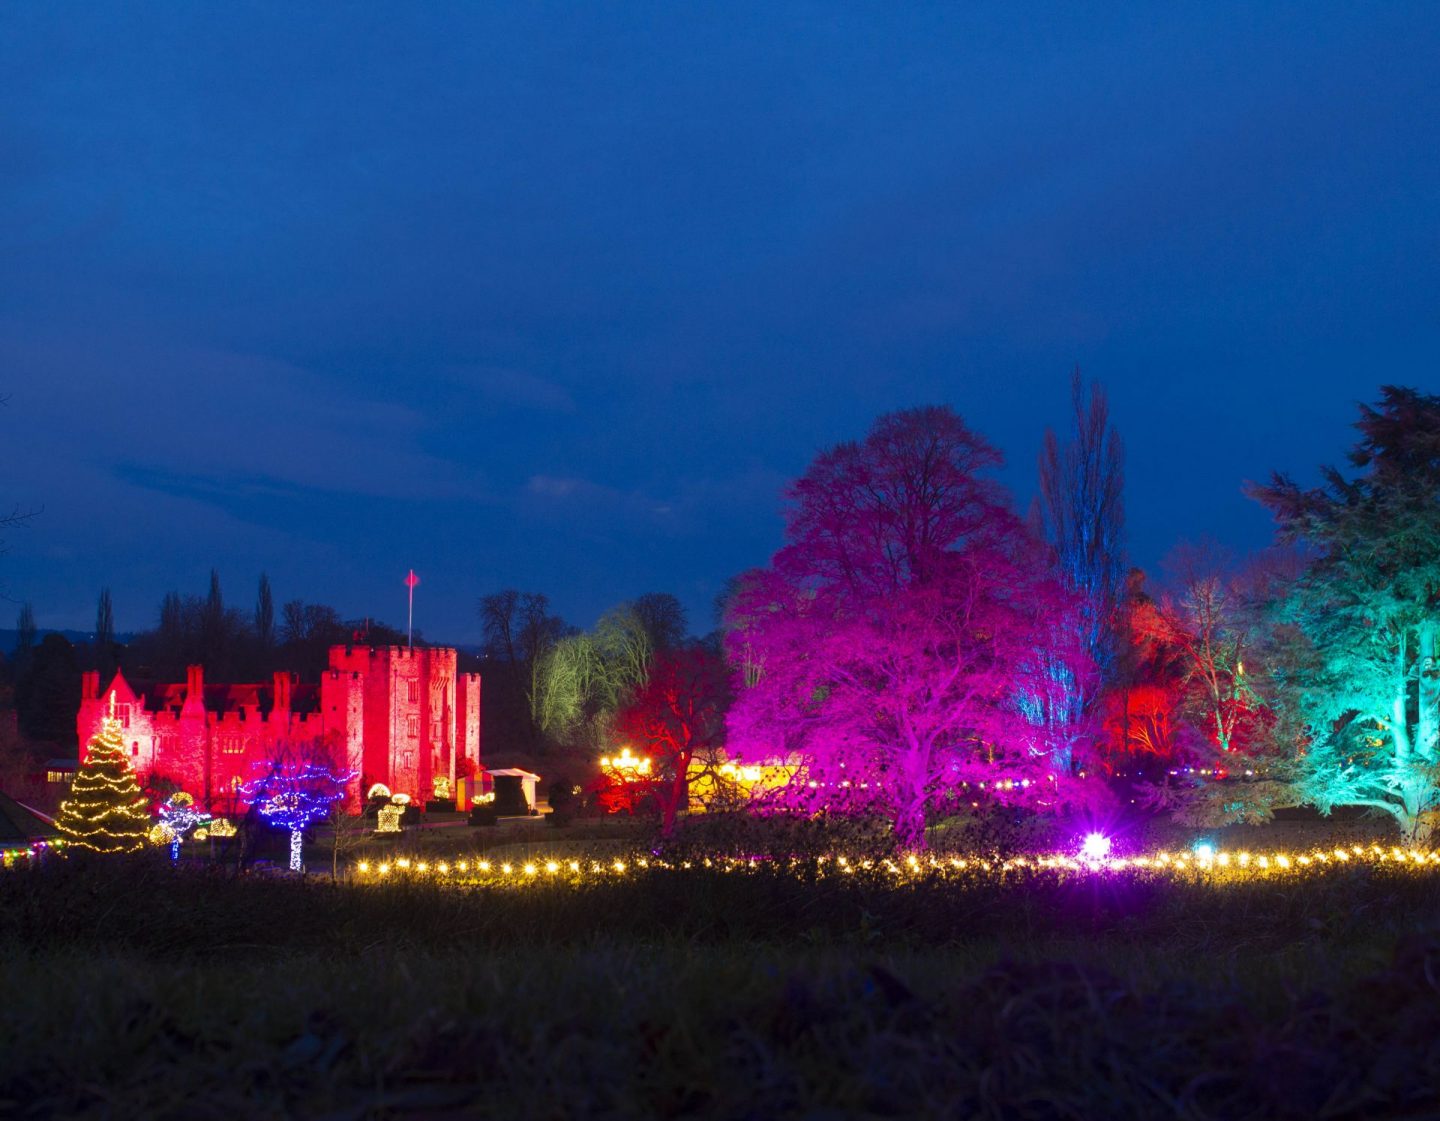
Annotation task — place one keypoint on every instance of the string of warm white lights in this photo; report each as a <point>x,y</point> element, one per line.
<point>1204,863</point>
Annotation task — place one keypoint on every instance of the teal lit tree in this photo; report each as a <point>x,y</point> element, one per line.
<point>1361,659</point>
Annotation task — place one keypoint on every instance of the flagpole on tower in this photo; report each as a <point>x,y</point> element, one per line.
<point>410,581</point>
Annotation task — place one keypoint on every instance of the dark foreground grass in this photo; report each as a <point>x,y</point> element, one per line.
<point>136,992</point>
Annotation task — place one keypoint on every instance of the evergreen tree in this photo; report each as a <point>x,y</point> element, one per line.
<point>104,620</point>
<point>105,811</point>
<point>25,639</point>
<point>212,627</point>
<point>265,614</point>
<point>172,620</point>
<point>104,634</point>
<point>1362,661</point>
<point>47,698</point>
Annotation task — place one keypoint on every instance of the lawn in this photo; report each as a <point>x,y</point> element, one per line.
<point>137,990</point>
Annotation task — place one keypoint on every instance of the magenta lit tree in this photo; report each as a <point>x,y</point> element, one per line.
<point>293,793</point>
<point>900,648</point>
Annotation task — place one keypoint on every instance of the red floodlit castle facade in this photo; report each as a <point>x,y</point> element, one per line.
<point>396,716</point>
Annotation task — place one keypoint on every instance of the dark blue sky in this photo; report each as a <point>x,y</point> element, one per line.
<point>559,296</point>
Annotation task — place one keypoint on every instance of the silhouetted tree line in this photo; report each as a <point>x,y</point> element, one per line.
<point>40,684</point>
<point>234,644</point>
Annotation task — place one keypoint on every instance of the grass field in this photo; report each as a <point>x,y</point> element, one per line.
<point>137,990</point>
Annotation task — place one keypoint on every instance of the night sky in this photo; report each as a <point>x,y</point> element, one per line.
<point>560,296</point>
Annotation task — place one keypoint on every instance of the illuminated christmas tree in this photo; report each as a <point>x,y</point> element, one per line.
<point>105,811</point>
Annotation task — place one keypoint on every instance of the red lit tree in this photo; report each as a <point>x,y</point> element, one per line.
<point>1143,721</point>
<point>1208,628</point>
<point>675,716</point>
<point>903,642</point>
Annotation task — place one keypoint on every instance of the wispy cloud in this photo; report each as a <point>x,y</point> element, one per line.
<point>218,415</point>
<point>511,388</point>
<point>688,507</point>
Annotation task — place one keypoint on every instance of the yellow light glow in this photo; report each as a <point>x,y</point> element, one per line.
<point>626,763</point>
<point>388,818</point>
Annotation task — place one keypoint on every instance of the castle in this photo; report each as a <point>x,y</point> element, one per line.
<point>397,717</point>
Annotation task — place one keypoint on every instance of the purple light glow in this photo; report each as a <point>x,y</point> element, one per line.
<point>1096,847</point>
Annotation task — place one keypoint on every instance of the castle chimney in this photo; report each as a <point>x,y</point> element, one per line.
<point>195,684</point>
<point>282,692</point>
<point>90,685</point>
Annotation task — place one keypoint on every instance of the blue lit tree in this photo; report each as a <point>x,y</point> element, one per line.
<point>1080,514</point>
<point>294,792</point>
<point>179,815</point>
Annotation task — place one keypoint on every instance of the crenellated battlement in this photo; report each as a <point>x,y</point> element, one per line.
<point>394,715</point>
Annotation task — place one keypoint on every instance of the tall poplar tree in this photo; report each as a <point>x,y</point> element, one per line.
<point>25,633</point>
<point>1363,665</point>
<point>1082,516</point>
<point>104,635</point>
<point>265,614</point>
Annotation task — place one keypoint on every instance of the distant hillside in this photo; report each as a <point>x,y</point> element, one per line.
<point>9,639</point>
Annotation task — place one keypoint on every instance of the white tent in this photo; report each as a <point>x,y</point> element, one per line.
<point>528,779</point>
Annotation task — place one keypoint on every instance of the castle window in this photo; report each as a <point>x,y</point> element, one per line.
<point>413,726</point>
<point>122,714</point>
<point>232,745</point>
<point>414,691</point>
<point>57,776</point>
